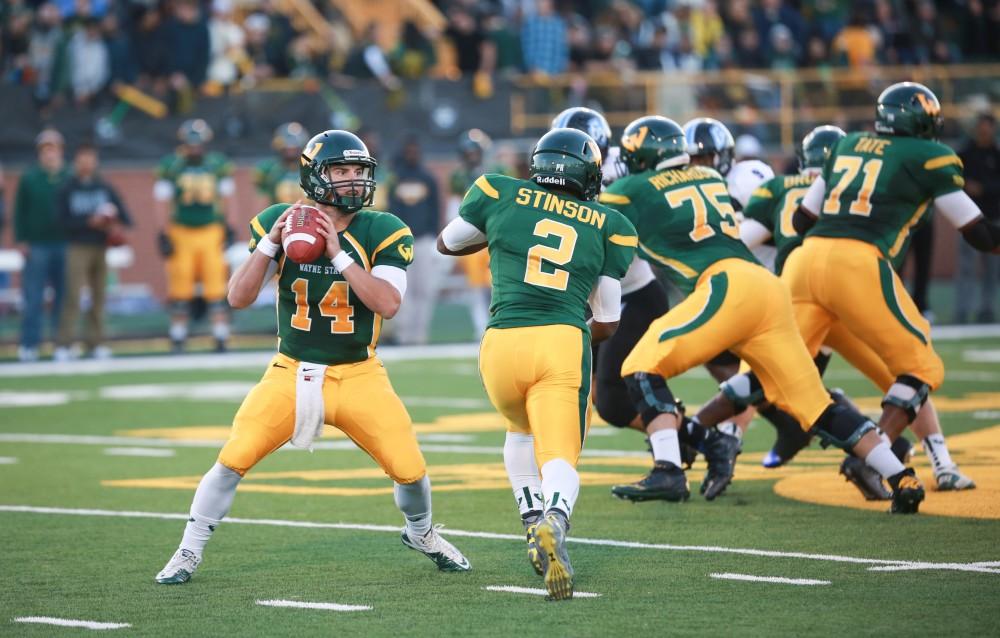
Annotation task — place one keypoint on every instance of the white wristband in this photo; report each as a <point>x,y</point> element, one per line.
<point>341,261</point>
<point>267,247</point>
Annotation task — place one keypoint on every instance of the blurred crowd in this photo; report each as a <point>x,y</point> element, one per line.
<point>77,49</point>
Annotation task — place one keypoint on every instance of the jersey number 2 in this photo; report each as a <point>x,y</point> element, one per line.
<point>560,255</point>
<point>850,166</point>
<point>334,305</point>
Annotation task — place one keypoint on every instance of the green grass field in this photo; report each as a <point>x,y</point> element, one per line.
<point>68,443</point>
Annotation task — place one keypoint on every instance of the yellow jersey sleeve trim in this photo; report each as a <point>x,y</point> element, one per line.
<point>487,188</point>
<point>361,251</point>
<point>624,240</point>
<point>388,241</point>
<point>761,192</point>
<point>904,232</point>
<point>941,162</point>
<point>683,269</point>
<point>255,223</point>
<point>613,198</point>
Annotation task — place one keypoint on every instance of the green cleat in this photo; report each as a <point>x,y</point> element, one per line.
<point>445,555</point>
<point>558,573</point>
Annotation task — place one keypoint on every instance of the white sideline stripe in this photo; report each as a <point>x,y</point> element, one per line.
<point>94,439</point>
<point>138,451</point>
<point>66,622</point>
<point>301,605</point>
<point>965,567</point>
<point>988,567</point>
<point>536,592</point>
<point>7,460</point>
<point>770,579</point>
<point>957,333</point>
<point>214,361</point>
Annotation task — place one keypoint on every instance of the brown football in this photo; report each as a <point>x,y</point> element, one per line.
<point>300,239</point>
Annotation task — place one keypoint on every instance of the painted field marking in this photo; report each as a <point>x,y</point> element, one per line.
<point>986,414</point>
<point>511,589</point>
<point>394,529</point>
<point>981,356</point>
<point>297,604</point>
<point>770,579</point>
<point>66,622</point>
<point>138,451</point>
<point>7,460</point>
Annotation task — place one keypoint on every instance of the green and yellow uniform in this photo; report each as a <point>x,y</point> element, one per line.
<point>322,321</point>
<point>878,190</point>
<point>277,181</point>
<point>687,224</point>
<point>547,252</point>
<point>196,230</point>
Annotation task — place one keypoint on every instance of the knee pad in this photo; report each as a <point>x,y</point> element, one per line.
<point>842,427</point>
<point>908,393</point>
<point>614,405</point>
<point>742,390</point>
<point>650,396</point>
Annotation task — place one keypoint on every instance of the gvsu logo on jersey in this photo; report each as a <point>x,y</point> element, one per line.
<point>550,179</point>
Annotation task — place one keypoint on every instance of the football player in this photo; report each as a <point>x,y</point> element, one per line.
<point>686,223</point>
<point>552,250</point>
<point>326,369</point>
<point>277,178</point>
<point>194,197</point>
<point>859,213</point>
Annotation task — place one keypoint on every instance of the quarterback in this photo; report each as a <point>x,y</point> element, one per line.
<point>552,251</point>
<point>329,316</point>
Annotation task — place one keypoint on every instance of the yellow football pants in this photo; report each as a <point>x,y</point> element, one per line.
<point>538,379</point>
<point>359,400</point>
<point>199,256</point>
<point>739,306</point>
<point>844,280</point>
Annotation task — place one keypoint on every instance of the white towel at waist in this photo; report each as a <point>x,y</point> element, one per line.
<point>309,408</point>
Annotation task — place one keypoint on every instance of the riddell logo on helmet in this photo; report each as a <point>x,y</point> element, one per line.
<point>550,179</point>
<point>355,153</point>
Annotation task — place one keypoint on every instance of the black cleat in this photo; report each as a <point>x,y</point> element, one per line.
<point>907,492</point>
<point>720,452</point>
<point>866,479</point>
<point>665,482</point>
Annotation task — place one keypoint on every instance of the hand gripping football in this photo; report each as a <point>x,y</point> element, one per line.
<point>300,238</point>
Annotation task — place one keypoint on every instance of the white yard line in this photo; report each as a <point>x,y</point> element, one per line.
<point>511,589</point>
<point>981,356</point>
<point>770,579</point>
<point>67,622</point>
<point>139,451</point>
<point>394,529</point>
<point>297,604</point>
<point>7,460</point>
<point>986,567</point>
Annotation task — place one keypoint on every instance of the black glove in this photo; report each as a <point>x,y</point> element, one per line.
<point>166,246</point>
<point>230,235</point>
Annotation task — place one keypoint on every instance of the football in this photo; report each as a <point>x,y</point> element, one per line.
<point>301,240</point>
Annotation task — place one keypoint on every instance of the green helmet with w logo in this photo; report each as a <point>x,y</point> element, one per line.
<point>651,140</point>
<point>908,108</point>
<point>570,159</point>
<point>331,148</point>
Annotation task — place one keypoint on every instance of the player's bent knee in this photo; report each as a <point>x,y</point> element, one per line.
<point>410,478</point>
<point>233,462</point>
<point>742,390</point>
<point>614,405</point>
<point>908,393</point>
<point>650,396</point>
<point>841,426</point>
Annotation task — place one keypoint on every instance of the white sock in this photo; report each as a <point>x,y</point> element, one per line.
<point>882,460</point>
<point>220,330</point>
<point>560,486</point>
<point>211,503</point>
<point>937,450</point>
<point>666,446</point>
<point>178,331</point>
<point>414,501</point>
<point>731,429</point>
<point>522,470</point>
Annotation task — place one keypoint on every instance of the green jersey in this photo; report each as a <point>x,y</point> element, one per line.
<point>684,218</point>
<point>196,187</point>
<point>547,250</point>
<point>880,188</point>
<point>320,319</point>
<point>772,204</point>
<point>277,181</point>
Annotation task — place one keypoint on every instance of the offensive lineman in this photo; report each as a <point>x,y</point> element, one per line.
<point>329,316</point>
<point>277,178</point>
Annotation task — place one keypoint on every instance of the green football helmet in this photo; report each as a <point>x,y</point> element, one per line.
<point>650,140</point>
<point>816,146</point>
<point>289,136</point>
<point>908,108</point>
<point>194,133</point>
<point>568,158</point>
<point>330,148</point>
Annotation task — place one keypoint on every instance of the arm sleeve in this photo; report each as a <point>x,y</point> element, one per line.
<point>606,300</point>
<point>813,200</point>
<point>753,233</point>
<point>459,234</point>
<point>958,208</point>
<point>395,276</point>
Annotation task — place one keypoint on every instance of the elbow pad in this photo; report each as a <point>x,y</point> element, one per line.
<point>982,235</point>
<point>802,221</point>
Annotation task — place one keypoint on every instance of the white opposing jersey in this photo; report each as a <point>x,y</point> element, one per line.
<point>744,177</point>
<point>612,167</point>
